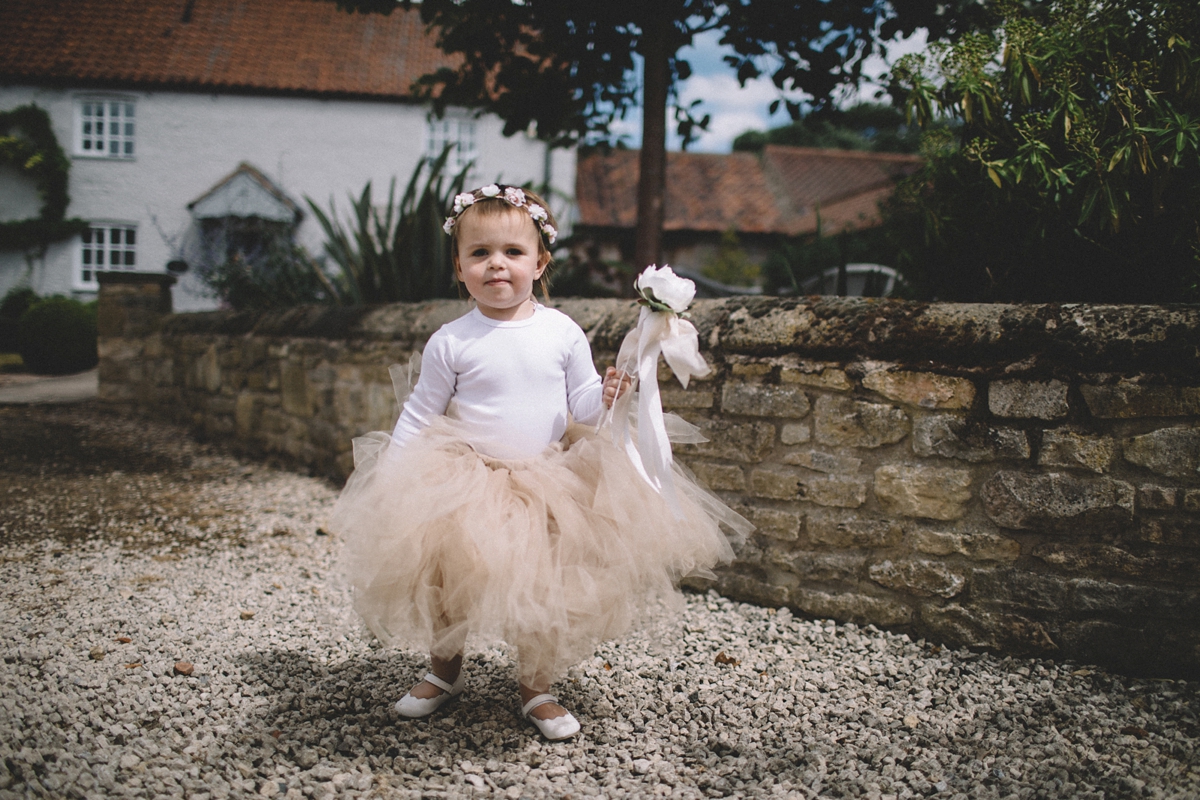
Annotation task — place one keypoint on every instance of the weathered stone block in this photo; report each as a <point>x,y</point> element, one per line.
<point>1174,452</point>
<point>810,566</point>
<point>1191,501</point>
<point>826,378</point>
<point>1054,501</point>
<point>720,477</point>
<point>919,491</point>
<point>839,491</point>
<point>775,483</point>
<point>922,577</point>
<point>975,546</point>
<point>686,398</point>
<point>1064,448</point>
<point>1105,559</point>
<point>795,433</point>
<point>1028,399</point>
<point>1156,498</point>
<point>750,589</point>
<point>750,369</point>
<point>922,389</point>
<point>758,400</point>
<point>1174,532</point>
<point>823,462</point>
<point>834,490</point>
<point>1130,599</point>
<point>747,442</point>
<point>1126,400</point>
<point>845,532</point>
<point>246,415</point>
<point>957,626</point>
<point>977,627</point>
<point>774,522</point>
<point>294,384</point>
<point>208,371</point>
<point>952,436</point>
<point>844,422</point>
<point>849,607</point>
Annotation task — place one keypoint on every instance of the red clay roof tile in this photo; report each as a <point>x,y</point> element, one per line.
<point>783,191</point>
<point>278,47</point>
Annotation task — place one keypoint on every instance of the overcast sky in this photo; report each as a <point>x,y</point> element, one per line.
<point>735,109</point>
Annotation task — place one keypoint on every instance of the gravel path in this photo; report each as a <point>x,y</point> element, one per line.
<point>127,549</point>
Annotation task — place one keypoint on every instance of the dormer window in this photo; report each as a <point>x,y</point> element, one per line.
<point>105,127</point>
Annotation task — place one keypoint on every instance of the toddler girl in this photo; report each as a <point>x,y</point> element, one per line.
<point>493,509</point>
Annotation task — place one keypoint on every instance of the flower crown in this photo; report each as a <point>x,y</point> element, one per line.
<point>510,194</point>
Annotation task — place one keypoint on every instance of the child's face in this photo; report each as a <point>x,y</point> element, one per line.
<point>498,260</point>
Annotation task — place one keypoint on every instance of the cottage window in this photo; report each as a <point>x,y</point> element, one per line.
<point>106,246</point>
<point>105,127</point>
<point>457,130</point>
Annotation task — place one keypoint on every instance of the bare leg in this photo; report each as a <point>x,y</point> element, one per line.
<point>445,668</point>
<point>545,711</point>
<point>534,679</point>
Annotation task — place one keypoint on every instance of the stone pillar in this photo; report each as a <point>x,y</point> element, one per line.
<point>132,304</point>
<point>129,315</point>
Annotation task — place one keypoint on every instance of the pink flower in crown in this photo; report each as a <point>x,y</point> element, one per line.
<point>550,234</point>
<point>515,196</point>
<point>448,225</point>
<point>462,201</point>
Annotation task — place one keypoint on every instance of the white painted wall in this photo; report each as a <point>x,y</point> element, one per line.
<point>186,143</point>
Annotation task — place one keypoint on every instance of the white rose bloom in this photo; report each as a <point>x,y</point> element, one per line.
<point>462,201</point>
<point>491,190</point>
<point>537,212</point>
<point>448,225</point>
<point>667,287</point>
<point>551,234</point>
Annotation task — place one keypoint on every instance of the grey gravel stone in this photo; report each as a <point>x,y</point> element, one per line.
<point>295,703</point>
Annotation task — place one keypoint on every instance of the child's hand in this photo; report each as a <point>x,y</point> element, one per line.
<point>615,386</point>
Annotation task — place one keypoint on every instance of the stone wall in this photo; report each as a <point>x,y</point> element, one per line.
<point>1019,478</point>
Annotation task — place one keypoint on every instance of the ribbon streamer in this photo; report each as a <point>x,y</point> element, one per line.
<point>679,343</point>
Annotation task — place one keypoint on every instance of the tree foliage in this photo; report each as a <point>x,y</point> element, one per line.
<point>567,70</point>
<point>1075,174</point>
<point>28,145</point>
<point>864,126</point>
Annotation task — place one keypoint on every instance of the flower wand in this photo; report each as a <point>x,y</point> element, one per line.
<point>661,329</point>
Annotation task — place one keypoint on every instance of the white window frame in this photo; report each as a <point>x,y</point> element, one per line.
<point>460,127</point>
<point>122,132</point>
<point>87,265</point>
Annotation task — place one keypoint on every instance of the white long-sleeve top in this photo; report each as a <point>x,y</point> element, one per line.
<point>511,384</point>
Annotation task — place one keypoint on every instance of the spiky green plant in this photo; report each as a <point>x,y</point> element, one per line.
<point>397,253</point>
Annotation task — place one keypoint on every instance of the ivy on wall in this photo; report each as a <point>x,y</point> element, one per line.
<point>35,153</point>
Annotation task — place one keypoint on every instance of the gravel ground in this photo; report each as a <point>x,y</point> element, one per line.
<point>168,628</point>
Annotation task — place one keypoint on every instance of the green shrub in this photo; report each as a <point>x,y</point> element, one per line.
<point>14,304</point>
<point>57,336</point>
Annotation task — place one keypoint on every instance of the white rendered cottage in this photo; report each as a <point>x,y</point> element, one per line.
<point>160,103</point>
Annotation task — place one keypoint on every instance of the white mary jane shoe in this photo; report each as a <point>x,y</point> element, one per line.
<point>415,707</point>
<point>555,729</point>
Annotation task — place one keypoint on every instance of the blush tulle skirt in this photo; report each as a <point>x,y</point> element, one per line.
<point>444,546</point>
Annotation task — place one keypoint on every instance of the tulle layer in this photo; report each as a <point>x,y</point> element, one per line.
<point>552,554</point>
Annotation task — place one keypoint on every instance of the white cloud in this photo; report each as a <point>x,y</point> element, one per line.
<point>735,109</point>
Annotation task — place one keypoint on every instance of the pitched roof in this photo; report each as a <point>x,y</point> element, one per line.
<point>246,192</point>
<point>782,191</point>
<point>306,47</point>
